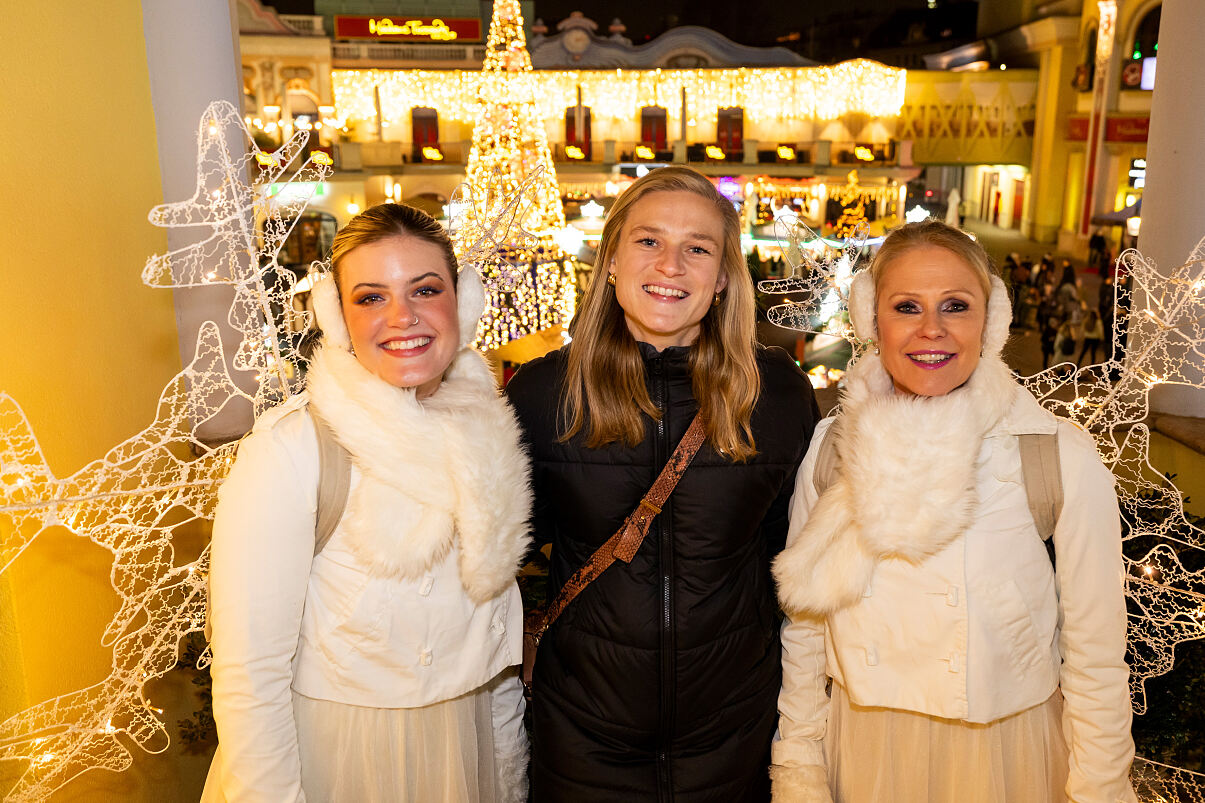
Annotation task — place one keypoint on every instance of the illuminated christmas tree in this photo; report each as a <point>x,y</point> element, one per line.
<point>533,287</point>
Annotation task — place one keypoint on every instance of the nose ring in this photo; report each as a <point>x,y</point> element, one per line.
<point>415,321</point>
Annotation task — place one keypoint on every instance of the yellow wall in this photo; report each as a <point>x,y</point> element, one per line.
<point>85,348</point>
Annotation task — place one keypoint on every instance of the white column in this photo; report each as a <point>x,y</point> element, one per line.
<point>1173,208</point>
<point>193,59</point>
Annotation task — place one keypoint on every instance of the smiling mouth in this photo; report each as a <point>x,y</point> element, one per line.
<point>406,345</point>
<point>931,359</point>
<point>667,292</point>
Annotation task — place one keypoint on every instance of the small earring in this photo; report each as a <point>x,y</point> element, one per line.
<point>611,279</point>
<point>715,302</point>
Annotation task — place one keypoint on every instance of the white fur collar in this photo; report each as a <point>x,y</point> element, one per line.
<point>447,468</point>
<point>905,485</point>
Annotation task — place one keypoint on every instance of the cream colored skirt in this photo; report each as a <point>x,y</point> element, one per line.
<point>882,755</point>
<point>440,752</point>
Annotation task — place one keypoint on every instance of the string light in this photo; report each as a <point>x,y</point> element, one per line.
<point>779,99</point>
<point>531,283</point>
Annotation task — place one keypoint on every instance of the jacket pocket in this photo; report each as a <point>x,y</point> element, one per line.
<point>348,608</point>
<point>1016,627</point>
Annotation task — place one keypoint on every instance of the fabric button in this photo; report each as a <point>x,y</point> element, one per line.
<point>425,588</point>
<point>872,656</point>
<point>424,657</point>
<point>955,662</point>
<point>952,596</point>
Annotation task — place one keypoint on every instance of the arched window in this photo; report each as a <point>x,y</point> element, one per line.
<point>730,129</point>
<point>577,131</point>
<point>652,127</point>
<point>424,130</point>
<point>1138,65</point>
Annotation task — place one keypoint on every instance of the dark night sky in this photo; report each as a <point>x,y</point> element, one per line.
<point>828,30</point>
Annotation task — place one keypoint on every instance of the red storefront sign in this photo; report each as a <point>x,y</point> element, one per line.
<point>1117,128</point>
<point>408,29</point>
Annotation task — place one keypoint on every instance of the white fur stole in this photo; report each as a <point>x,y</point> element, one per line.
<point>905,485</point>
<point>447,467</point>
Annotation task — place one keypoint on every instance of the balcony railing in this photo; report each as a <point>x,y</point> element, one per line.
<point>462,55</point>
<point>306,24</point>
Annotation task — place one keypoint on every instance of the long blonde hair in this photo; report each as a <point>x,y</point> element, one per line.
<point>605,390</point>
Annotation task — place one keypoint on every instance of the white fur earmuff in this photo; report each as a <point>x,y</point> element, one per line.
<point>995,329</point>
<point>470,303</point>
<point>330,313</point>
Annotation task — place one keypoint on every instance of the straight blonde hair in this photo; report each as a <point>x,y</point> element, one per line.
<point>605,390</point>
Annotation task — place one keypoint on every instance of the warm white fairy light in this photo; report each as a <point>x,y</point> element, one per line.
<point>132,501</point>
<point>530,280</point>
<point>782,96</point>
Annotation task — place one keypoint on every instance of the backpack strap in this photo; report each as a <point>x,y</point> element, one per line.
<point>1043,483</point>
<point>825,469</point>
<point>334,481</point>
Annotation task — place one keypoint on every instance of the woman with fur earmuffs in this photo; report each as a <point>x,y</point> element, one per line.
<point>379,665</point>
<point>965,665</point>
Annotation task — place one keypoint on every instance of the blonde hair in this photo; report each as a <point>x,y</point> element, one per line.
<point>387,220</point>
<point>605,390</point>
<point>937,234</point>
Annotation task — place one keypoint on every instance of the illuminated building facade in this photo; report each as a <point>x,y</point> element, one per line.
<point>1094,64</point>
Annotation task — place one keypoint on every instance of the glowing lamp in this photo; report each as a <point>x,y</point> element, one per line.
<point>645,152</point>
<point>265,159</point>
<point>863,153</point>
<point>574,152</point>
<point>323,159</point>
<point>916,214</point>
<point>592,209</point>
<point>432,153</point>
<point>714,152</point>
<point>786,153</point>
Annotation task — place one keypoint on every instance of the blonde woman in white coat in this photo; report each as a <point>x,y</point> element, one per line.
<point>964,666</point>
<point>382,668</point>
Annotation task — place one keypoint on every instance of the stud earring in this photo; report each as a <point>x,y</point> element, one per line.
<point>715,302</point>
<point>611,279</point>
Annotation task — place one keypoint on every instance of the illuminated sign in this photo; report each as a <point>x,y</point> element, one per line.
<point>1118,128</point>
<point>409,29</point>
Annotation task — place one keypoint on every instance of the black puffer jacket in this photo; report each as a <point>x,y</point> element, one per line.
<point>660,681</point>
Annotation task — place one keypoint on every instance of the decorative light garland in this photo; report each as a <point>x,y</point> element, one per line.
<point>785,95</point>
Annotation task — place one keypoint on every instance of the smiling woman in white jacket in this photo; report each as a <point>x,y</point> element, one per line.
<point>382,668</point>
<point>963,666</point>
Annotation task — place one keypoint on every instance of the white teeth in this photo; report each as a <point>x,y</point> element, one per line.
<point>930,358</point>
<point>402,345</point>
<point>664,291</point>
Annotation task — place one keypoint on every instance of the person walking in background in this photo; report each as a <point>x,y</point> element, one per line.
<point>658,682</point>
<point>1049,320</point>
<point>965,664</point>
<point>1094,334</point>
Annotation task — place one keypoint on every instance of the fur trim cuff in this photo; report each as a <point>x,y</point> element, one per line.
<point>807,784</point>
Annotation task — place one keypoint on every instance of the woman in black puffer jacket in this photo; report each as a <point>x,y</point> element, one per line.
<point>659,682</point>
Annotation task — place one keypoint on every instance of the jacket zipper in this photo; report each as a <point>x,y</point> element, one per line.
<point>665,546</point>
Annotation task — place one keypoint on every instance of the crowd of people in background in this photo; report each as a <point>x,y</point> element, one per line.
<point>1050,299</point>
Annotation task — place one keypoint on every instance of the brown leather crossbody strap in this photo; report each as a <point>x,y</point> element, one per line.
<point>628,538</point>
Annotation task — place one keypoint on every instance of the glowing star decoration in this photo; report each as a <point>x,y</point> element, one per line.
<point>136,498</point>
<point>1158,338</point>
<point>531,282</point>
